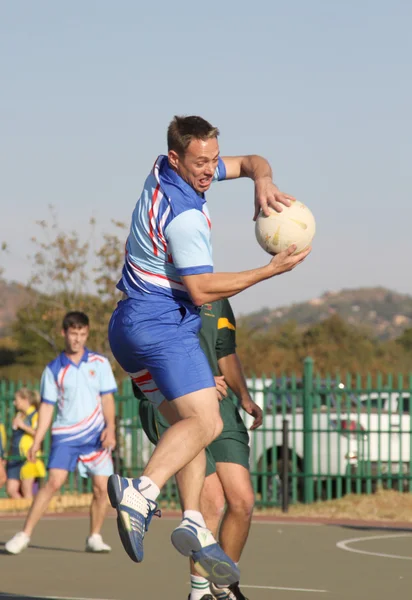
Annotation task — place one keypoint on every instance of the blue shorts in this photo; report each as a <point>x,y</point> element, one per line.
<point>159,340</point>
<point>90,458</point>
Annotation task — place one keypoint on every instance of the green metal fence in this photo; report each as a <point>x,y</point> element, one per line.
<point>348,434</point>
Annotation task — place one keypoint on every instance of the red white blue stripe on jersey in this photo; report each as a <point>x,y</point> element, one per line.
<point>77,389</point>
<point>169,235</point>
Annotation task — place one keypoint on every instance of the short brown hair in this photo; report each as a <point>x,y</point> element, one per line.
<point>75,319</point>
<point>182,130</point>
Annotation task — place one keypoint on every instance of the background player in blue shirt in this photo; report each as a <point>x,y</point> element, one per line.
<point>78,384</point>
<point>167,275</point>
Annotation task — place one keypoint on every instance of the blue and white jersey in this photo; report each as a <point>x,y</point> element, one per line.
<point>170,235</point>
<point>77,391</point>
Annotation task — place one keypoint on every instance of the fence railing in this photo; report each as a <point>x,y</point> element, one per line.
<point>347,434</point>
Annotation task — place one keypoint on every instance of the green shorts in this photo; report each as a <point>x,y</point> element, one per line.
<point>232,445</point>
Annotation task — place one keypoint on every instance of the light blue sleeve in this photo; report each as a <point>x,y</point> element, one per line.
<point>220,172</point>
<point>48,388</point>
<point>107,381</point>
<point>188,238</point>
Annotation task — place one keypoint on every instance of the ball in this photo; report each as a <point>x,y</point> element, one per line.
<point>294,225</point>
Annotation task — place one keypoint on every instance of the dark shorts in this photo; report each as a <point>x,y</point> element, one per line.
<point>232,446</point>
<point>160,339</point>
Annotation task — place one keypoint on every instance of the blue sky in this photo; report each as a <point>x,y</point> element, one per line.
<point>321,88</point>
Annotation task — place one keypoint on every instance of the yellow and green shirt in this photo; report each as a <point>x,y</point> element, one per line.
<point>21,441</point>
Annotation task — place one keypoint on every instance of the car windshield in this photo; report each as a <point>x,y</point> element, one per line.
<point>289,393</point>
<point>395,401</point>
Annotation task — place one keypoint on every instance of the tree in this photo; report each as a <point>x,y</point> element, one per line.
<point>65,273</point>
<point>405,340</point>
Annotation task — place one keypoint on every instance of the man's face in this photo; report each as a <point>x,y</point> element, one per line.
<point>75,339</point>
<point>199,163</point>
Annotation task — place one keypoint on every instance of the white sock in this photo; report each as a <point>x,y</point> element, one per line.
<point>195,516</point>
<point>147,488</point>
<point>199,587</point>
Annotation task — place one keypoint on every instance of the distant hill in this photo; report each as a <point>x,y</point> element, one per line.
<point>12,297</point>
<point>384,312</point>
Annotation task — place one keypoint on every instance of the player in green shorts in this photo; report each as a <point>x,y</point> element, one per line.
<point>227,470</point>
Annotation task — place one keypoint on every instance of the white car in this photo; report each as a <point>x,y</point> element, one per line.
<point>337,437</point>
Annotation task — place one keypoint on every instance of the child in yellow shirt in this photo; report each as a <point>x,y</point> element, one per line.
<point>21,473</point>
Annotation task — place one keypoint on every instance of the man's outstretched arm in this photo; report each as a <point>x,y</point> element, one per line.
<point>259,170</point>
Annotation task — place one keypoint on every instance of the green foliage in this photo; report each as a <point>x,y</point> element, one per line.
<point>405,340</point>
<point>332,343</point>
<point>62,274</point>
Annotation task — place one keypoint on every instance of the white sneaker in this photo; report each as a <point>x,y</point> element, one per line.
<point>18,543</point>
<point>95,543</point>
<point>191,539</point>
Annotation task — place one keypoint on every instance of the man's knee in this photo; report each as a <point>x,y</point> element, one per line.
<point>100,489</point>
<point>55,481</point>
<point>53,486</point>
<point>212,499</point>
<point>204,407</point>
<point>242,503</point>
<point>213,427</point>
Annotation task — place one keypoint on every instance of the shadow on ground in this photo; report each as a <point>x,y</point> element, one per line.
<point>375,528</point>
<point>35,547</point>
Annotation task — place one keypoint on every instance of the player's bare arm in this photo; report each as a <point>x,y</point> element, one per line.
<point>258,169</point>
<point>208,287</point>
<point>231,367</point>
<point>18,423</point>
<point>45,419</point>
<point>108,437</point>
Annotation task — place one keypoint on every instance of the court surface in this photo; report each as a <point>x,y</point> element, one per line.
<point>283,561</point>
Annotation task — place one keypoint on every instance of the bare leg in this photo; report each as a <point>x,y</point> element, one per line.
<point>212,505</point>
<point>235,526</point>
<point>27,487</point>
<point>98,507</point>
<point>13,488</point>
<point>195,422</point>
<point>3,474</point>
<point>42,500</point>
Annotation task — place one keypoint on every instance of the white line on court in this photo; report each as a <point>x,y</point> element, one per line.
<point>297,523</point>
<point>344,545</point>
<point>48,597</point>
<point>283,589</point>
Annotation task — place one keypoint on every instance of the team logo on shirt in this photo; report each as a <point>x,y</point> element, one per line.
<point>92,373</point>
<point>207,306</point>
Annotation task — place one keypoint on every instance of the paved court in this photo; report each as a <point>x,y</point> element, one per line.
<point>283,561</point>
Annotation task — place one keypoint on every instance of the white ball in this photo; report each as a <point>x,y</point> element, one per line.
<point>294,225</point>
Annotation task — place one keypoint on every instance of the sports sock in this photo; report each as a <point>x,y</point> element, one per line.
<point>195,516</point>
<point>199,587</point>
<point>147,488</point>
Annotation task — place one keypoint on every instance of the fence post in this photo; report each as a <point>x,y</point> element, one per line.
<point>285,465</point>
<point>116,451</point>
<point>307,430</point>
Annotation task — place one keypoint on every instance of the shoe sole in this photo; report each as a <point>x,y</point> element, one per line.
<point>126,533</point>
<point>90,551</point>
<point>18,551</point>
<point>210,562</point>
<point>15,553</point>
